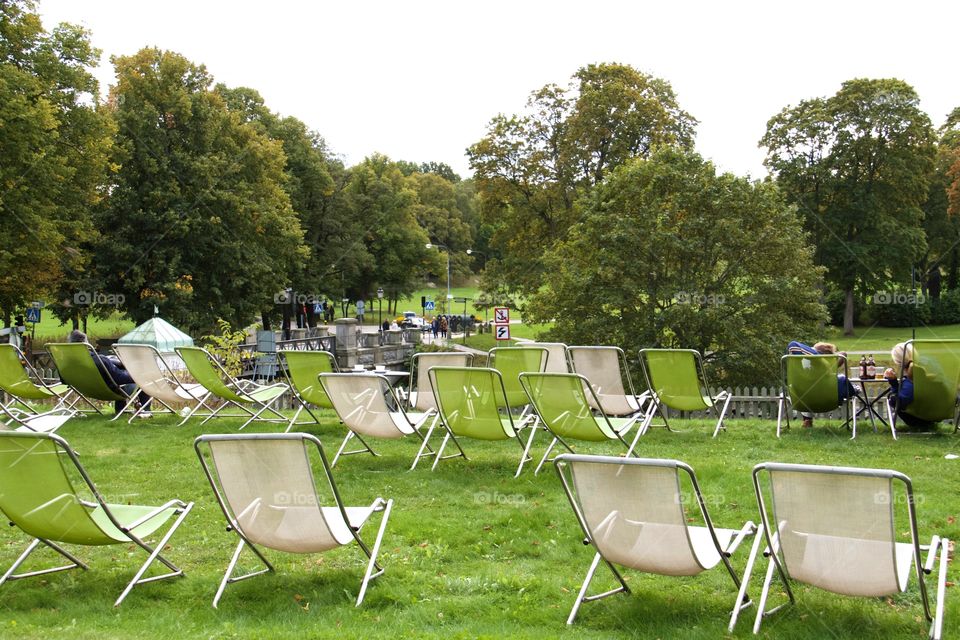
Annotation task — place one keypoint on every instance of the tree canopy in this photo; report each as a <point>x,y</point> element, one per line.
<point>530,169</point>
<point>200,223</point>
<point>857,165</point>
<point>53,156</point>
<point>670,254</point>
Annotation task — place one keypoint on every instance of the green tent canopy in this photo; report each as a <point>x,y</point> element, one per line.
<point>159,333</point>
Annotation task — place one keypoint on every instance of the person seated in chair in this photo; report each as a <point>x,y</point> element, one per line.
<point>844,388</point>
<point>115,375</point>
<point>903,392</point>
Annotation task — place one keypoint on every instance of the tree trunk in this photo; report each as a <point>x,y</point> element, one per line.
<point>265,320</point>
<point>848,313</point>
<point>952,272</point>
<point>75,321</point>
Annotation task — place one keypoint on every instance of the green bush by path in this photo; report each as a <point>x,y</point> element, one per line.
<point>470,551</point>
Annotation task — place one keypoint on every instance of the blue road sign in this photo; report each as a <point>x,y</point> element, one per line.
<point>429,306</point>
<point>33,315</point>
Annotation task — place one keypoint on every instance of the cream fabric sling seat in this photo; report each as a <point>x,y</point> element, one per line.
<point>631,510</point>
<point>265,485</point>
<point>836,528</point>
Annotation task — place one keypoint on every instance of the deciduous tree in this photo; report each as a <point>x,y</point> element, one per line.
<point>670,254</point>
<point>857,166</point>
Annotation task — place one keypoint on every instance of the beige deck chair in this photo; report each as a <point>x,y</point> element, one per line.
<point>155,377</point>
<point>557,361</point>
<point>606,369</point>
<point>368,406</point>
<point>266,488</point>
<point>834,528</point>
<point>632,511</point>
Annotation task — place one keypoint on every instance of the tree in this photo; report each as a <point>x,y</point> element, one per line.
<point>530,169</point>
<point>308,184</point>
<point>383,202</point>
<point>670,254</point>
<point>198,219</point>
<point>53,147</point>
<point>857,165</point>
<point>438,211</point>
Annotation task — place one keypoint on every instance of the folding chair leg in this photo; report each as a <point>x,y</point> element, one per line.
<point>936,629</point>
<point>368,576</point>
<point>723,413</point>
<point>425,445</point>
<point>343,445</point>
<point>10,575</point>
<point>155,555</point>
<point>449,436</point>
<point>852,406</point>
<point>780,407</point>
<point>130,401</point>
<point>546,455</point>
<point>525,456</point>
<point>265,407</point>
<point>742,600</point>
<point>228,574</point>
<point>582,595</point>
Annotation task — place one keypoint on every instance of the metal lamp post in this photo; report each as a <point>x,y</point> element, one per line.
<point>380,308</point>
<point>471,252</point>
<point>431,245</point>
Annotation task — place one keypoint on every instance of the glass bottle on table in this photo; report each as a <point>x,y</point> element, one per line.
<point>871,368</point>
<point>863,367</point>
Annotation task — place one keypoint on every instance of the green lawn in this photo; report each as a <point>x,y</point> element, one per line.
<point>470,551</point>
<point>880,339</point>
<point>50,327</point>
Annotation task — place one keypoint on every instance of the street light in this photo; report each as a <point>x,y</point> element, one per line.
<point>471,252</point>
<point>380,308</point>
<point>431,245</point>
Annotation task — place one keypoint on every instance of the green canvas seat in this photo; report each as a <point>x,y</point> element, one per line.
<point>810,386</point>
<point>936,382</point>
<point>238,393</point>
<point>266,487</point>
<point>301,369</point>
<point>561,400</point>
<point>17,383</point>
<point>511,362</point>
<point>676,379</point>
<point>838,529</point>
<point>472,404</point>
<point>38,497</point>
<point>74,361</point>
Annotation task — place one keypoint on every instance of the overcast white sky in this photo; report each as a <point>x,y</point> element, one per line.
<point>419,80</point>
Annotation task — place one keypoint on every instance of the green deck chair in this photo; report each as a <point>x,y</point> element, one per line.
<point>77,369</point>
<point>810,386</point>
<point>472,404</point>
<point>511,362</point>
<point>16,382</point>
<point>238,393</point>
<point>677,380</point>
<point>563,403</point>
<point>38,496</point>
<point>301,369</point>
<point>936,383</point>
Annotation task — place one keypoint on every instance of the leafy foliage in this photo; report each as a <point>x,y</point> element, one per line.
<point>199,221</point>
<point>53,147</point>
<point>857,165</point>
<point>225,346</point>
<point>670,254</point>
<point>530,169</point>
